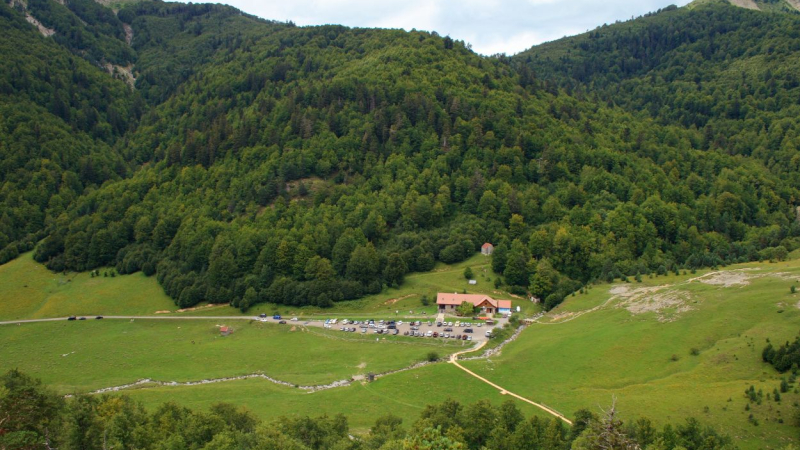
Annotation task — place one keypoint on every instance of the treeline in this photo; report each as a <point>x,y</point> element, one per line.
<point>783,358</point>
<point>33,417</point>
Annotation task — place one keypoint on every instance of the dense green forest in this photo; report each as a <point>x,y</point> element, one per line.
<point>261,162</point>
<point>32,417</point>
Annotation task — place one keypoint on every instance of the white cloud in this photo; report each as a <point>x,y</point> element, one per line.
<point>491,26</point>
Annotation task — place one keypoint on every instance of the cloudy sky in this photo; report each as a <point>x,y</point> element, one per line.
<point>491,26</point>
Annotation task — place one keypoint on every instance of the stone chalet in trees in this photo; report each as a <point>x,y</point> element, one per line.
<point>486,304</point>
<point>487,249</point>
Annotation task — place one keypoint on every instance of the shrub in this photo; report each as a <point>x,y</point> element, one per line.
<point>432,357</point>
<point>468,273</point>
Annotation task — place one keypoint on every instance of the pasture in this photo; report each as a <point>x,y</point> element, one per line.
<point>667,348</point>
<point>82,356</point>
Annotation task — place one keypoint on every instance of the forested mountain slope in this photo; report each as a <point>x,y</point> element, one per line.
<point>731,72</point>
<point>59,119</point>
<point>311,165</point>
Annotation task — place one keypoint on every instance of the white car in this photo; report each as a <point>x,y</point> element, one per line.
<point>294,319</point>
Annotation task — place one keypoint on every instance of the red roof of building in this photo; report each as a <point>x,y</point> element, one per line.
<point>223,329</point>
<point>443,298</point>
<point>487,245</point>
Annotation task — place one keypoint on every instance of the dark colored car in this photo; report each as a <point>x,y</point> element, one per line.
<point>282,322</point>
<point>99,317</point>
<point>391,327</point>
<point>464,337</point>
<point>438,324</point>
<point>82,318</point>
<point>277,317</point>
<point>448,329</point>
<point>468,330</point>
<point>72,318</point>
<point>262,315</point>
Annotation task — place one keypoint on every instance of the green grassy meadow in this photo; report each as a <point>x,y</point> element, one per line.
<point>82,356</point>
<point>30,291</point>
<point>646,359</point>
<point>404,394</point>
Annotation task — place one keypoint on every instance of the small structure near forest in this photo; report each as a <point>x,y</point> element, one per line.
<point>484,303</point>
<point>487,249</point>
<point>224,331</point>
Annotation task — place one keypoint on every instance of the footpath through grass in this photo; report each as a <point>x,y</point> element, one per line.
<point>668,349</point>
<point>403,394</point>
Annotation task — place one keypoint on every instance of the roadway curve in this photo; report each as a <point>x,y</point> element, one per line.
<point>503,391</point>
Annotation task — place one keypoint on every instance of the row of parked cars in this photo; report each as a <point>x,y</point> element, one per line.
<point>436,334</point>
<point>81,318</point>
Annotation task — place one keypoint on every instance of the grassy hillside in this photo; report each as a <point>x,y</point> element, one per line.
<point>669,347</point>
<point>30,291</point>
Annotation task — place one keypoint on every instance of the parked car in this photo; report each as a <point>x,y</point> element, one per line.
<point>82,318</point>
<point>282,322</point>
<point>468,330</point>
<point>294,319</point>
<point>262,315</point>
<point>448,329</point>
<point>278,317</point>
<point>98,317</point>
<point>435,334</point>
<point>488,333</point>
<point>72,318</point>
<point>438,324</point>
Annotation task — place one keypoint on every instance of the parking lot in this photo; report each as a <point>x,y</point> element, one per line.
<point>450,328</point>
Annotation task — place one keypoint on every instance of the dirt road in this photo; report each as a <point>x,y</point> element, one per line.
<point>503,391</point>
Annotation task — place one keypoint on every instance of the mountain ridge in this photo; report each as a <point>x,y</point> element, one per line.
<point>759,5</point>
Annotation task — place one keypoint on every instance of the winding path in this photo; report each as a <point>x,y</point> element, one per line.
<point>454,360</point>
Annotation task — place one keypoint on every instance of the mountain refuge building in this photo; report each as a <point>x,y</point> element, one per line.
<point>487,305</point>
